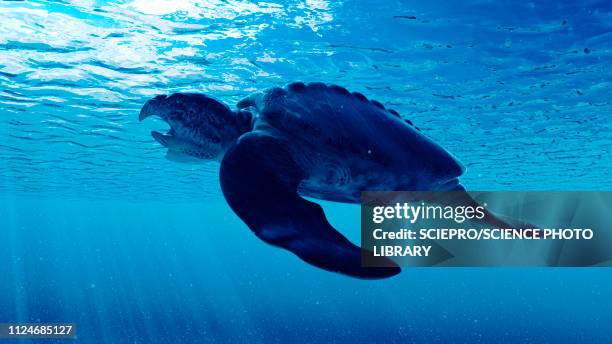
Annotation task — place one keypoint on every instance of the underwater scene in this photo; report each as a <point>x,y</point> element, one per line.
<point>102,228</point>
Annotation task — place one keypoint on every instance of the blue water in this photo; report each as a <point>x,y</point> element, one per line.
<point>100,230</point>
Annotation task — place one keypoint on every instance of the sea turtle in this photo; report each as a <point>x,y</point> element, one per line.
<point>314,140</point>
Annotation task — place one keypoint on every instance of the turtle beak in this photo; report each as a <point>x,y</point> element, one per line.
<point>163,139</point>
<point>156,107</point>
<point>151,108</point>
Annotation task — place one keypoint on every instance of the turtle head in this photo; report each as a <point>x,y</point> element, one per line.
<point>200,127</point>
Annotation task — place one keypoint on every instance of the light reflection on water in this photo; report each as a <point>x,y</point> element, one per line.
<point>519,92</point>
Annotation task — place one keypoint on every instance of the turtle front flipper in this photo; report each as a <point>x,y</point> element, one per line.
<point>259,180</point>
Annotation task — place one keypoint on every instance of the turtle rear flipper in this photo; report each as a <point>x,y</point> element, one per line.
<point>259,180</point>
